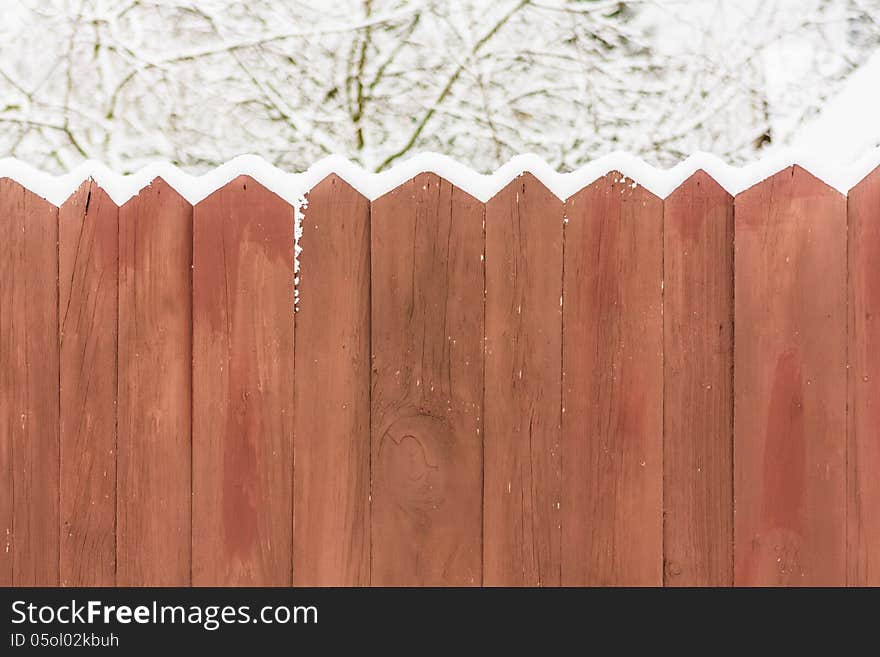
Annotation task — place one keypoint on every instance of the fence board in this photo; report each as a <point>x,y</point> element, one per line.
<point>612,386</point>
<point>87,308</point>
<point>29,390</point>
<point>427,329</point>
<point>155,389</point>
<point>242,387</point>
<point>863,449</point>
<point>332,424</point>
<point>523,402</point>
<point>698,384</point>
<point>10,365</point>
<point>790,385</point>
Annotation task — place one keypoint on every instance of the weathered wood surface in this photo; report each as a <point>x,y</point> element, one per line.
<point>612,386</point>
<point>522,470</point>
<point>519,392</point>
<point>698,384</point>
<point>242,387</point>
<point>790,383</point>
<point>863,447</point>
<point>29,397</point>
<point>332,424</point>
<point>153,537</point>
<point>87,322</point>
<point>427,389</point>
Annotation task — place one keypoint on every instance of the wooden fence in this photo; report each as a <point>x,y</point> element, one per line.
<point>612,390</point>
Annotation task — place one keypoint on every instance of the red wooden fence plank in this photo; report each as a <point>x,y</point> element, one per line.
<point>523,386</point>
<point>29,390</point>
<point>427,328</point>
<point>155,389</point>
<point>863,449</point>
<point>87,305</point>
<point>10,366</point>
<point>242,387</point>
<point>698,384</point>
<point>612,386</point>
<point>790,382</point>
<point>332,424</point>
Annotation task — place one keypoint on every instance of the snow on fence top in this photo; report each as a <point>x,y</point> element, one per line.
<point>293,186</point>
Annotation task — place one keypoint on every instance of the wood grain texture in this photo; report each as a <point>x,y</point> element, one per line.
<point>427,328</point>
<point>29,386</point>
<point>87,289</point>
<point>698,384</point>
<point>863,448</point>
<point>612,425</point>
<point>523,380</point>
<point>242,387</point>
<point>155,389</point>
<point>790,383</point>
<point>10,364</point>
<point>332,423</point>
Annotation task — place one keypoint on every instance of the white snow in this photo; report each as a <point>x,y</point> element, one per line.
<point>292,187</point>
<point>301,204</point>
<point>57,189</point>
<point>198,82</point>
<point>847,127</point>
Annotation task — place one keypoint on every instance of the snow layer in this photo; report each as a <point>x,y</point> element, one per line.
<point>847,127</point>
<point>293,187</point>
